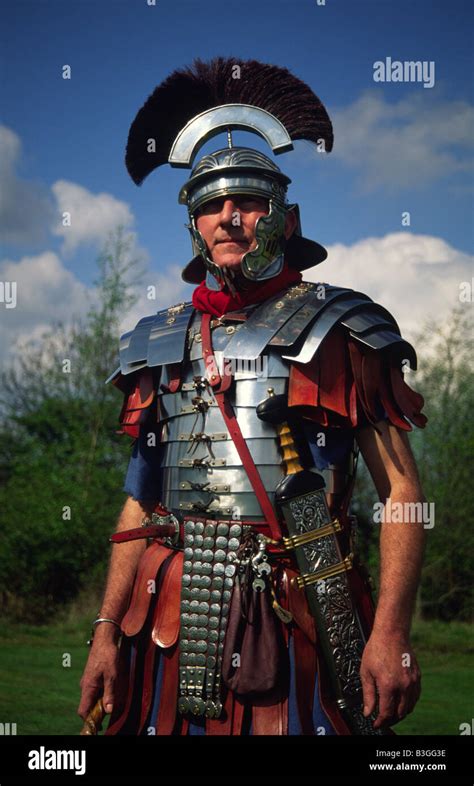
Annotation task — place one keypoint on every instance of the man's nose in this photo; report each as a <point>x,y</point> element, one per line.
<point>228,210</point>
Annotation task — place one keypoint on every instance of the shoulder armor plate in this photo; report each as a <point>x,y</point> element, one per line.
<point>299,320</point>
<point>156,340</point>
<point>368,322</point>
<point>266,321</point>
<point>331,313</point>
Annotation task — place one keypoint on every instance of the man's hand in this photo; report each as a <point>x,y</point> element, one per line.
<point>100,675</point>
<point>390,677</point>
<point>101,671</point>
<point>389,671</point>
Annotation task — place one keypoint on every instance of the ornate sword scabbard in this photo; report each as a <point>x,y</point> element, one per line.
<point>312,535</point>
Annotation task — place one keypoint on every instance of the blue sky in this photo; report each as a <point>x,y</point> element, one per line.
<point>398,146</point>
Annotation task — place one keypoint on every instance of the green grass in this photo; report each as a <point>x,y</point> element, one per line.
<point>37,692</point>
<point>41,696</point>
<point>444,652</point>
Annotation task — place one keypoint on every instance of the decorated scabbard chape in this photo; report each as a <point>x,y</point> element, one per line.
<point>312,536</point>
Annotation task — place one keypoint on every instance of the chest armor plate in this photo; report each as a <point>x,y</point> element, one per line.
<point>201,469</point>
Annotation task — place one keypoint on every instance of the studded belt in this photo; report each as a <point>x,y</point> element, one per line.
<point>167,531</point>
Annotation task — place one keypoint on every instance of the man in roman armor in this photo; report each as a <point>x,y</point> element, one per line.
<point>235,602</point>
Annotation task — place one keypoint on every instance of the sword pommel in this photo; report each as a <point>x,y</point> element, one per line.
<point>274,409</point>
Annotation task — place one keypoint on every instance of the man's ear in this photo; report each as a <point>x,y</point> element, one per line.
<point>291,223</point>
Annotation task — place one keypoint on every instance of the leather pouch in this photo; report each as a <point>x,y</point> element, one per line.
<point>262,668</point>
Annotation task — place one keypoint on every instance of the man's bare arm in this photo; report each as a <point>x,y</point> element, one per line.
<point>123,564</point>
<point>101,668</point>
<point>389,666</point>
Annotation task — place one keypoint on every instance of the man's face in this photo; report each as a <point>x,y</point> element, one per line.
<point>227,225</point>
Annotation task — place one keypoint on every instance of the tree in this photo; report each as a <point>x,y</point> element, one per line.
<point>444,452</point>
<point>62,465</point>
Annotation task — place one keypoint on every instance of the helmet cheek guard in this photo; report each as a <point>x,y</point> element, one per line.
<point>200,249</point>
<point>266,259</point>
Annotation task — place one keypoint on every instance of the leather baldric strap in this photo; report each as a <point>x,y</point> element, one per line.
<point>220,385</point>
<point>216,381</point>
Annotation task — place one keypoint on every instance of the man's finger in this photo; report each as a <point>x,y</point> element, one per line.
<point>411,697</point>
<point>87,702</point>
<point>388,700</point>
<point>109,695</point>
<point>89,696</point>
<point>369,692</point>
<point>417,689</point>
<point>404,704</point>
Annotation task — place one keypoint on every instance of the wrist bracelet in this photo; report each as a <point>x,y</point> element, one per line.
<point>106,619</point>
<point>96,622</point>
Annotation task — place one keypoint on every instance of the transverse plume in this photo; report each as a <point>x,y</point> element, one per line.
<point>189,91</point>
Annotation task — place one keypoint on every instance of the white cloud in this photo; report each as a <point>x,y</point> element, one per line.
<point>411,143</point>
<point>26,208</point>
<point>169,289</point>
<point>416,277</point>
<point>93,216</point>
<point>29,211</point>
<point>45,289</point>
<point>46,292</point>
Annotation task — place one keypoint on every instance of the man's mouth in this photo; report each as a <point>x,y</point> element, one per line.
<point>231,242</point>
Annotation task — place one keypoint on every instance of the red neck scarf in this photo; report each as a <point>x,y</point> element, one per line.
<point>219,303</point>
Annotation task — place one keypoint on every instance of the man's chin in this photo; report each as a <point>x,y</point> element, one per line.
<point>230,261</point>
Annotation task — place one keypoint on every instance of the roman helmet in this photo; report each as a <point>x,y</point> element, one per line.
<point>195,104</point>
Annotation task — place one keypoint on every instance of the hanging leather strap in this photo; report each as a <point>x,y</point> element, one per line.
<point>220,385</point>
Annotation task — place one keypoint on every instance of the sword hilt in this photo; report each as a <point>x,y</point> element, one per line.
<point>93,722</point>
<point>297,480</point>
<point>290,454</point>
<point>275,410</point>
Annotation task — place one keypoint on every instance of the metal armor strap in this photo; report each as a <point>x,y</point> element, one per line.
<point>234,430</point>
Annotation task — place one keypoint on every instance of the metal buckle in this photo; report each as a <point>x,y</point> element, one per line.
<point>172,310</point>
<point>202,437</point>
<point>159,520</point>
<point>202,462</point>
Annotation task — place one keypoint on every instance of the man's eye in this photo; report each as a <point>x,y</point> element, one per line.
<point>209,208</point>
<point>251,204</point>
<point>245,204</point>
